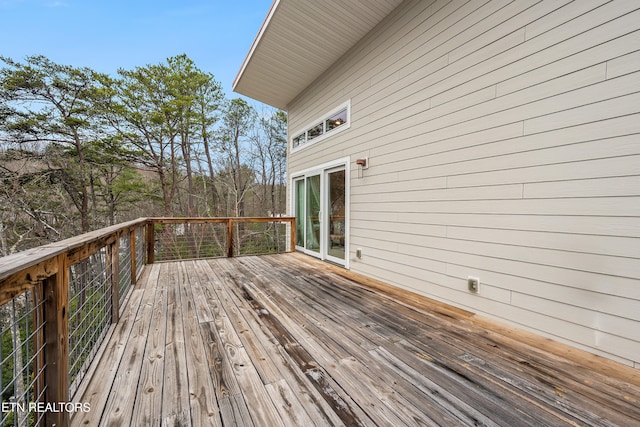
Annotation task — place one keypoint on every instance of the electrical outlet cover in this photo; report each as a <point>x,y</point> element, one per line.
<point>473,284</point>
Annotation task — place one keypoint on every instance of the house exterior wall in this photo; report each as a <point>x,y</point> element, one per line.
<point>503,140</point>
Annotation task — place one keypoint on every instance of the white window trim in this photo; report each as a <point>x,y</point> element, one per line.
<point>322,120</point>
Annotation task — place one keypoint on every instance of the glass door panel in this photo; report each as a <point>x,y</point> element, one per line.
<point>320,206</point>
<point>299,206</point>
<point>335,237</point>
<point>312,221</point>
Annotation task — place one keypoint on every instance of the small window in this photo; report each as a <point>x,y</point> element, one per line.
<point>332,122</point>
<point>315,131</point>
<point>300,139</point>
<point>336,120</point>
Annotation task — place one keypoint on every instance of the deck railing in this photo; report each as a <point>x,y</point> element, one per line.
<point>58,302</point>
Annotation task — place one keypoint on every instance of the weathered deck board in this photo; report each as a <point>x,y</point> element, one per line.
<point>175,391</point>
<point>204,407</point>
<point>120,405</point>
<point>287,340</point>
<point>111,358</point>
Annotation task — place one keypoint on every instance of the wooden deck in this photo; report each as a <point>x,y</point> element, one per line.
<point>287,340</point>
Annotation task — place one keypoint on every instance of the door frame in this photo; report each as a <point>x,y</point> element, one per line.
<point>323,170</point>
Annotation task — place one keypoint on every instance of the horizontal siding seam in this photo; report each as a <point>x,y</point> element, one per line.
<point>520,228</point>
<point>411,118</point>
<point>508,64</point>
<point>560,93</point>
<point>450,175</point>
<point>571,251</point>
<point>512,153</point>
<point>617,97</point>
<point>500,258</point>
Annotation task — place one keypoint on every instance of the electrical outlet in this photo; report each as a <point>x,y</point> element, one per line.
<point>473,284</point>
<point>359,253</point>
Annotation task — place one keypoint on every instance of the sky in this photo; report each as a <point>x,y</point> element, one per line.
<point>106,35</point>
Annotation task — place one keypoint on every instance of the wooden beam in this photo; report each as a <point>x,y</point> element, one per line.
<point>132,255</point>
<point>85,251</point>
<point>230,238</point>
<point>56,332</point>
<point>113,264</point>
<point>151,242</point>
<point>26,279</point>
<point>292,243</point>
<point>79,245</point>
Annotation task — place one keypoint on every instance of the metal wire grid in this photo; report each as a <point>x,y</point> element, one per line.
<point>258,238</point>
<point>140,250</point>
<point>89,313</point>
<point>190,241</point>
<point>22,359</point>
<point>125,268</point>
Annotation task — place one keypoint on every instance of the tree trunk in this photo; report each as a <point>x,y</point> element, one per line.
<point>3,239</point>
<point>238,178</point>
<point>214,193</point>
<point>186,154</point>
<point>18,391</point>
<point>84,193</point>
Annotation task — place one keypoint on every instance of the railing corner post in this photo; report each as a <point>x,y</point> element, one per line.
<point>56,333</point>
<point>151,242</point>
<point>113,259</point>
<point>132,254</point>
<point>292,243</point>
<point>229,238</point>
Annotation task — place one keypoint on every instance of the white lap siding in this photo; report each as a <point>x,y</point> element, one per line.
<point>503,141</point>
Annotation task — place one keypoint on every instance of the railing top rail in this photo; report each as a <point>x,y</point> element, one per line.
<point>14,263</point>
<point>63,274</point>
<point>177,220</point>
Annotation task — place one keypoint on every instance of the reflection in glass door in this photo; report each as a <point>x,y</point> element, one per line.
<point>312,216</point>
<point>299,206</point>
<point>334,239</point>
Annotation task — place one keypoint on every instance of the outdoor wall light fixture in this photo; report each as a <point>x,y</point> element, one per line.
<point>362,164</point>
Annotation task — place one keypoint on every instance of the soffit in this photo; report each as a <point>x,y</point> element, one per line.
<point>299,40</point>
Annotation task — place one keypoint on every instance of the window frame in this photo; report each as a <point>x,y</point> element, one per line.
<point>297,143</point>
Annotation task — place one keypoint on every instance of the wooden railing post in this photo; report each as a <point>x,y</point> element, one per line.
<point>56,332</point>
<point>229,238</point>
<point>151,242</point>
<point>132,254</point>
<point>113,264</point>
<point>292,243</point>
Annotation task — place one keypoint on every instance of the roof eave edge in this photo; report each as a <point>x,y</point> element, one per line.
<point>256,41</point>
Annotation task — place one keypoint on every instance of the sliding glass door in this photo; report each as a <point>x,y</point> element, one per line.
<point>336,208</point>
<point>312,214</point>
<point>320,205</point>
<point>299,204</point>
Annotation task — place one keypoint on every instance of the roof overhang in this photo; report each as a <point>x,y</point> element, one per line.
<point>301,39</point>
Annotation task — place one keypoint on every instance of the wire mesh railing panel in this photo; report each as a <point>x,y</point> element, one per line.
<point>89,313</point>
<point>124,277</point>
<point>140,250</point>
<point>190,241</point>
<point>22,359</point>
<point>258,238</point>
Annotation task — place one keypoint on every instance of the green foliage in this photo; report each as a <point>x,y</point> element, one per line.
<point>9,321</point>
<point>153,140</point>
<point>7,366</point>
<point>89,315</point>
